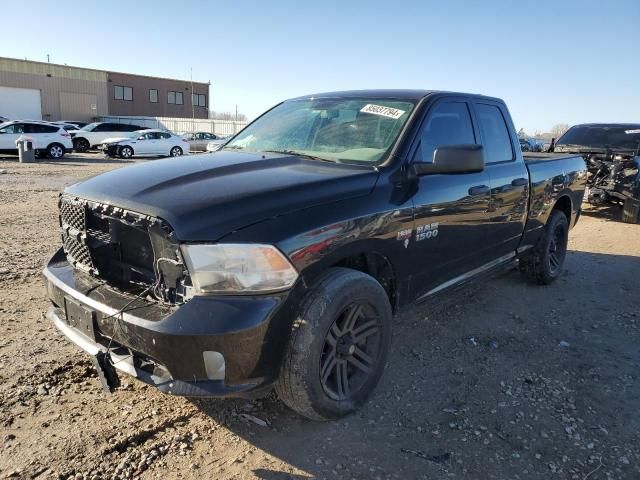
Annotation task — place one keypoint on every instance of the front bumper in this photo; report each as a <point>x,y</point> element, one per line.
<point>112,150</point>
<point>209,346</point>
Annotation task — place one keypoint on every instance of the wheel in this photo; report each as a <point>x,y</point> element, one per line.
<point>338,346</point>
<point>175,152</point>
<point>81,145</point>
<point>544,265</point>
<point>631,211</point>
<point>55,151</point>
<point>126,152</point>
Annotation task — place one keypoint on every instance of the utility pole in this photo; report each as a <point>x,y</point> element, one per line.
<point>193,107</point>
<point>48,59</point>
<point>236,112</point>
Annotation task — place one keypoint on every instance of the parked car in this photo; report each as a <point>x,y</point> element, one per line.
<point>525,146</point>
<point>150,142</point>
<point>3,119</point>
<point>612,153</point>
<point>69,127</point>
<point>94,134</point>
<point>48,139</point>
<point>215,145</point>
<point>79,125</point>
<point>282,260</point>
<point>198,141</point>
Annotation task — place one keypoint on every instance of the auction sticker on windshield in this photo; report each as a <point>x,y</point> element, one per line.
<point>631,132</point>
<point>382,111</point>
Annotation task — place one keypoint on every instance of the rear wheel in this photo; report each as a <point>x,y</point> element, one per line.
<point>81,145</point>
<point>175,152</point>
<point>338,346</point>
<point>631,211</point>
<point>126,152</point>
<point>544,264</point>
<point>55,151</point>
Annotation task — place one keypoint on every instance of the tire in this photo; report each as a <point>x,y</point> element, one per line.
<point>631,211</point>
<point>175,152</point>
<point>126,152</point>
<point>341,307</point>
<point>55,151</point>
<point>544,265</point>
<point>81,145</point>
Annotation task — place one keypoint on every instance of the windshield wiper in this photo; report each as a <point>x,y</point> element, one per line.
<point>301,155</point>
<point>232,147</point>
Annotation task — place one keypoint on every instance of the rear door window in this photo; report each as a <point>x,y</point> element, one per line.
<point>495,134</point>
<point>448,124</point>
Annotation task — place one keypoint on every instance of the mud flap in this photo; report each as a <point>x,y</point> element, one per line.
<point>106,373</point>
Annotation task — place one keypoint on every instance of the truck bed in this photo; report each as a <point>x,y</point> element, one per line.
<point>534,157</point>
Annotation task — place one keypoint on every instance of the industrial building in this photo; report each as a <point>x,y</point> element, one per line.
<point>47,91</point>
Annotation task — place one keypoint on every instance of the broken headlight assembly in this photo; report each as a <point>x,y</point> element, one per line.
<point>237,268</point>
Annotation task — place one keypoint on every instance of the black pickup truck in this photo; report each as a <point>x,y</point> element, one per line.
<point>281,259</point>
<point>612,153</point>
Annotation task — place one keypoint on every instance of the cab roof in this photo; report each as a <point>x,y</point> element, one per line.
<point>391,94</point>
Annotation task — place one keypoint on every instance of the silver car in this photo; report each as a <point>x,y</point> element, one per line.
<point>198,140</point>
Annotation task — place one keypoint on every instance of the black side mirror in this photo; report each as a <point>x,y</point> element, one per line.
<point>453,159</point>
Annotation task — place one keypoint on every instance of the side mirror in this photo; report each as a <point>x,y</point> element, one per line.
<point>453,159</point>
<point>140,138</point>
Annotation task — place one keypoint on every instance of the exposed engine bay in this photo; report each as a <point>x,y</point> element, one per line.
<point>129,251</point>
<point>609,176</point>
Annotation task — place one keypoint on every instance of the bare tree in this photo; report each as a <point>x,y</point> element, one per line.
<point>558,129</point>
<point>227,116</point>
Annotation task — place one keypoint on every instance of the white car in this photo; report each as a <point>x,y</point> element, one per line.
<point>94,134</point>
<point>151,142</point>
<point>48,139</point>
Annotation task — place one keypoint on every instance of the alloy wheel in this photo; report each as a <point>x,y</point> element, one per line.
<point>557,249</point>
<point>56,151</point>
<point>351,351</point>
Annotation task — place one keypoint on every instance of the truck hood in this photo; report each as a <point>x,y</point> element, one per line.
<point>204,197</point>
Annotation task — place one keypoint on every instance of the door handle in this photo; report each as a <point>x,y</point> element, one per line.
<point>519,182</point>
<point>479,190</point>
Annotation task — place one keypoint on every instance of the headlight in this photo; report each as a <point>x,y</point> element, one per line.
<point>238,268</point>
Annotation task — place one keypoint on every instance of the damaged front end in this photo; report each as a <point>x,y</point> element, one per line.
<point>612,177</point>
<point>132,252</point>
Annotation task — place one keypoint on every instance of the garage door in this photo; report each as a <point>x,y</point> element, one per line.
<point>20,103</point>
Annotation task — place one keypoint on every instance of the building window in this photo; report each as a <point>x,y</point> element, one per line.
<point>198,100</point>
<point>175,97</point>
<point>123,93</point>
<point>153,96</point>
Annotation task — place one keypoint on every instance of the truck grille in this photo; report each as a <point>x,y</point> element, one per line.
<point>121,247</point>
<point>73,214</point>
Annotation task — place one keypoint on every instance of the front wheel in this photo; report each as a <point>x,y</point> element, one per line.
<point>175,152</point>
<point>631,211</point>
<point>338,346</point>
<point>126,152</point>
<point>81,145</point>
<point>544,265</point>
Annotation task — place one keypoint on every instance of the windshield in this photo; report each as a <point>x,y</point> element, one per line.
<point>615,137</point>
<point>90,127</point>
<point>350,130</point>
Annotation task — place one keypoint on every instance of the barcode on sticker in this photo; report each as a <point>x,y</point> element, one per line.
<point>382,111</point>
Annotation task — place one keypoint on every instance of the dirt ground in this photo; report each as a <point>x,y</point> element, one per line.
<point>503,380</point>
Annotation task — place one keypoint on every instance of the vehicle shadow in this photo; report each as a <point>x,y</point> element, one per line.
<point>460,376</point>
<point>604,212</point>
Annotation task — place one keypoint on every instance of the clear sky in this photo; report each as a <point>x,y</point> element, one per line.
<point>561,61</point>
